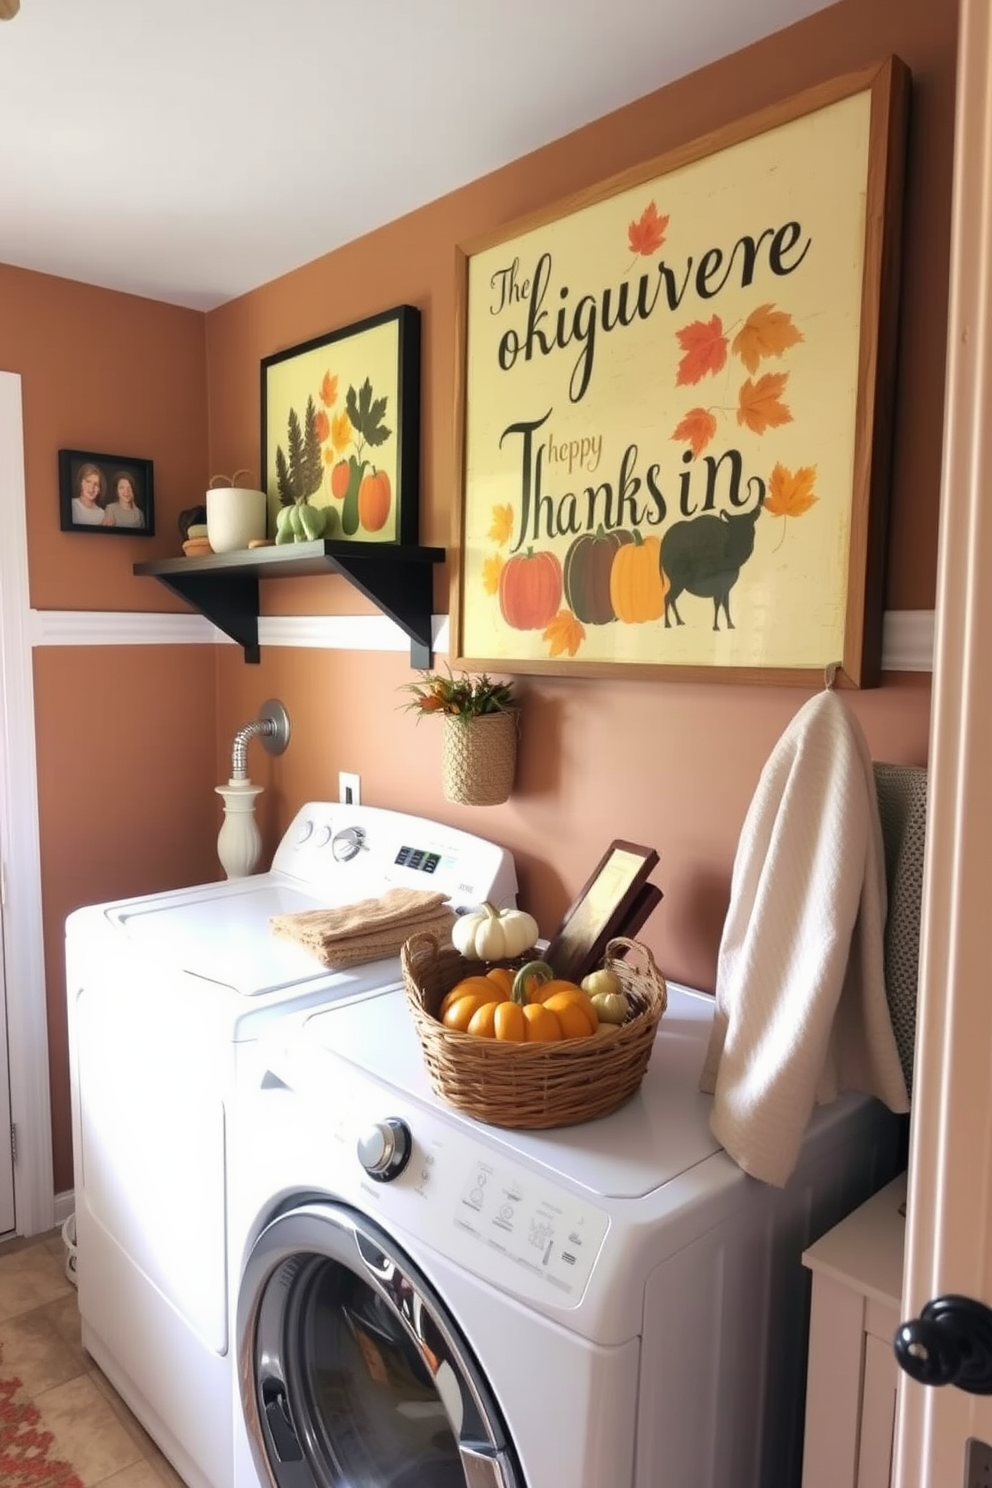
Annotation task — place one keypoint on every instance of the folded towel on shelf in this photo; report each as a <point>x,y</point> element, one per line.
<point>369,929</point>
<point>801,1009</point>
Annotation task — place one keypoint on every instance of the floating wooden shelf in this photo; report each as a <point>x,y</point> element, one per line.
<point>224,586</point>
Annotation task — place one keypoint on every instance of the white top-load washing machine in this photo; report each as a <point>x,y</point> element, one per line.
<point>429,1302</point>
<point>167,997</point>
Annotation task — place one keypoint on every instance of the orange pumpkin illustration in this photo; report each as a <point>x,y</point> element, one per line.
<point>530,590</point>
<point>637,589</point>
<point>340,476</point>
<point>374,499</point>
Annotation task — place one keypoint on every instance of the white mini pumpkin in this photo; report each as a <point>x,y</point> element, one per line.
<point>491,934</point>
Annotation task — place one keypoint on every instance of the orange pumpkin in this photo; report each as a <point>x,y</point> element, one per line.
<point>459,1014</point>
<point>340,476</point>
<point>542,1025</point>
<point>529,1006</point>
<point>509,1022</point>
<point>541,991</point>
<point>483,1021</point>
<point>530,589</point>
<point>482,987</point>
<point>637,589</point>
<point>575,1020</point>
<point>374,499</point>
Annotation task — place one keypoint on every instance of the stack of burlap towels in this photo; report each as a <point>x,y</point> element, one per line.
<point>369,929</point>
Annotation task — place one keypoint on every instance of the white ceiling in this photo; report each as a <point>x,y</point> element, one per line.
<point>192,149</point>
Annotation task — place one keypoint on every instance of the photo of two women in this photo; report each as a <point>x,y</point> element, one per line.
<point>108,493</point>
<point>90,506</point>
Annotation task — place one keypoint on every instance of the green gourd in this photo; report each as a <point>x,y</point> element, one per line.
<point>349,512</point>
<point>312,522</point>
<point>301,522</point>
<point>284,525</point>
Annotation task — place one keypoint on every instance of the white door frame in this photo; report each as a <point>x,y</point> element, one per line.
<point>24,958</point>
<point>950,1190</point>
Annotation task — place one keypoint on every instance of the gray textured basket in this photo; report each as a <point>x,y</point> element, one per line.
<point>902,806</point>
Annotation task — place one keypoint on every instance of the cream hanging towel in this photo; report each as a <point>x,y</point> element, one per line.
<point>801,1010</point>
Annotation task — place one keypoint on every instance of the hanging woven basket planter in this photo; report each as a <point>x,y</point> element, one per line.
<point>479,758</point>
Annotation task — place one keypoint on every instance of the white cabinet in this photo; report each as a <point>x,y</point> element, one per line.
<point>851,1380</point>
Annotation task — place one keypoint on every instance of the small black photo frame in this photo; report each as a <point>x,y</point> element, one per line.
<point>610,900</point>
<point>109,494</point>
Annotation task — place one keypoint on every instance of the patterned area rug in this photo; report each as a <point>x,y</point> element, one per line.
<point>26,1459</point>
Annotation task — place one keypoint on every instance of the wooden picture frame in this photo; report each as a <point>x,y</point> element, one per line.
<point>111,495</point>
<point>675,402</point>
<point>607,901</point>
<point>341,428</point>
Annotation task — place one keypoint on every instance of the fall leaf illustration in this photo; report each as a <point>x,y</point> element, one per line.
<point>646,235</point>
<point>705,348</point>
<point>321,425</point>
<point>366,413</point>
<point>767,332</point>
<point>299,468</point>
<point>696,429</point>
<point>790,492</point>
<point>328,390</point>
<point>565,633</point>
<point>760,405</point>
<point>491,570</point>
<point>341,432</point>
<point>502,524</point>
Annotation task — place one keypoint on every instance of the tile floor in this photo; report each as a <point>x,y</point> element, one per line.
<point>40,1344</point>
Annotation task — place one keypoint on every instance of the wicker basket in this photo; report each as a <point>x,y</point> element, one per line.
<point>479,758</point>
<point>533,1086</point>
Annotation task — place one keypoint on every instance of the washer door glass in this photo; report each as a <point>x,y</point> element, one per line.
<point>358,1376</point>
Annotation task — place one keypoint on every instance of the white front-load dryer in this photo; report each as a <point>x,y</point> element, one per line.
<point>167,998</point>
<point>425,1300</point>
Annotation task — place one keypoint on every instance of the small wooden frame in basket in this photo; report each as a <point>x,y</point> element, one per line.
<point>540,1085</point>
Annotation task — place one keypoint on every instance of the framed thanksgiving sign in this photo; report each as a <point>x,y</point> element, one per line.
<point>673,412</point>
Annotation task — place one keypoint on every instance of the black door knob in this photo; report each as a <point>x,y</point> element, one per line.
<point>950,1343</point>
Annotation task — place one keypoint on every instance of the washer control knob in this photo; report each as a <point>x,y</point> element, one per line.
<point>348,844</point>
<point>384,1150</point>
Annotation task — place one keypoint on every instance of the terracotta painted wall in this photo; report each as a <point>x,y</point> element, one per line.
<point>126,800</point>
<point>125,734</point>
<point>669,764</point>
<point>116,374</point>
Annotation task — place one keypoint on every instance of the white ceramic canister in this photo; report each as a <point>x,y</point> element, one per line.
<point>236,515</point>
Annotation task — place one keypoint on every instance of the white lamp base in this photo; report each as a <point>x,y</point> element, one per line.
<point>239,842</point>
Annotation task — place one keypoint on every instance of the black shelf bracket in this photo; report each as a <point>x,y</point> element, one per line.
<point>229,601</point>
<point>224,586</point>
<point>406,595</point>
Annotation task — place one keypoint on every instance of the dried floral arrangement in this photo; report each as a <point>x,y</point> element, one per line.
<point>460,696</point>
